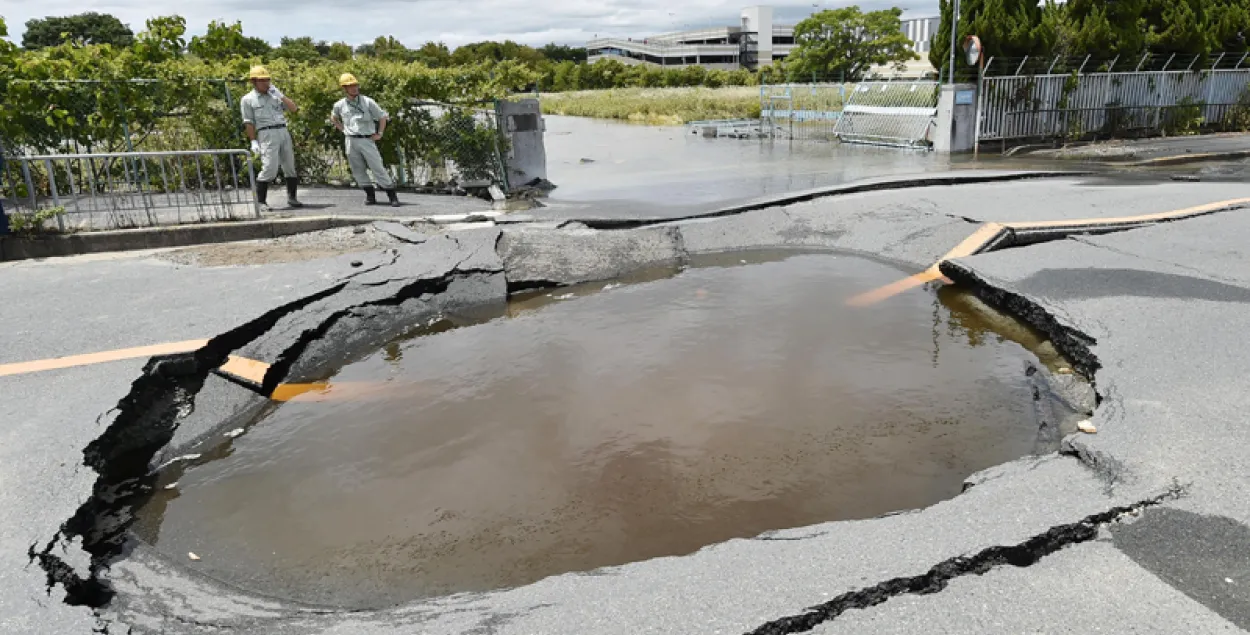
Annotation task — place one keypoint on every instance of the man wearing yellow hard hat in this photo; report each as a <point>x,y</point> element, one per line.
<point>265,124</point>
<point>362,122</point>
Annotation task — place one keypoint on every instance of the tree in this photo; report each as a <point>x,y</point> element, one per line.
<point>163,39</point>
<point>847,42</point>
<point>1227,25</point>
<point>557,53</point>
<point>89,28</point>
<point>1006,28</point>
<point>299,49</point>
<point>340,52</point>
<point>1177,26</point>
<point>434,55</point>
<point>1107,29</point>
<point>220,42</point>
<point>388,48</point>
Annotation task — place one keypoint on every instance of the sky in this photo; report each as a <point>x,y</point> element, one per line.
<point>453,22</point>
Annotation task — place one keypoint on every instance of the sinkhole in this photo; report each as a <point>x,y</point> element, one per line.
<point>592,426</point>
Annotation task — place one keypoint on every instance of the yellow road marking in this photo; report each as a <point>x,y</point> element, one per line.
<point>988,231</point>
<point>71,361</point>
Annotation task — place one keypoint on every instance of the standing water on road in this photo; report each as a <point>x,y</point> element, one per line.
<point>647,420</point>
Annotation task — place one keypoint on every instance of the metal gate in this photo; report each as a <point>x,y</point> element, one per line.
<point>892,113</point>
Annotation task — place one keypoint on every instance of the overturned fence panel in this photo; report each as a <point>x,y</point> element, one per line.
<point>1112,104</point>
<point>897,113</point>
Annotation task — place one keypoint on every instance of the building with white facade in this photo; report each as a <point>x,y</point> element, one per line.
<point>754,42</point>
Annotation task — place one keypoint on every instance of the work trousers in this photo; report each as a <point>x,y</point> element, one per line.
<point>363,157</point>
<point>277,149</point>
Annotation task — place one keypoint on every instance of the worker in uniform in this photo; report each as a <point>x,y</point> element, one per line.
<point>362,122</point>
<point>265,124</point>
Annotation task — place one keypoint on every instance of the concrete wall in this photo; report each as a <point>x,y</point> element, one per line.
<point>956,119</point>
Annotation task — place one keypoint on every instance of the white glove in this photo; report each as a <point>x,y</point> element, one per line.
<point>255,147</point>
<point>274,92</point>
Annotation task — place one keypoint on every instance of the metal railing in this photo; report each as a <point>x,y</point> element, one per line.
<point>121,190</point>
<point>1077,104</point>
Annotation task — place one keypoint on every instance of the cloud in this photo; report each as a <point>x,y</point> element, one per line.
<point>453,22</point>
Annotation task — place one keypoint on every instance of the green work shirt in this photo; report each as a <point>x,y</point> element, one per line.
<point>262,110</point>
<point>360,116</point>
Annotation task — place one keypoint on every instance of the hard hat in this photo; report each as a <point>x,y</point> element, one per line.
<point>347,79</point>
<point>258,72</point>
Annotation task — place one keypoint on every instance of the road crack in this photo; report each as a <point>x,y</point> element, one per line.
<point>936,579</point>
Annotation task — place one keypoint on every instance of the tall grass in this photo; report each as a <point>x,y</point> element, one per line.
<point>658,106</point>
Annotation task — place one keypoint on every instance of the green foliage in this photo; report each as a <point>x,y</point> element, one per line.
<point>1185,119</point>
<point>221,41</point>
<point>604,74</point>
<point>31,224</point>
<point>298,49</point>
<point>556,54</point>
<point>88,28</point>
<point>1238,117</point>
<point>847,42</point>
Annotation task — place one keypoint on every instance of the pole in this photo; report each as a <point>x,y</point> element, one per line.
<point>976,135</point>
<point>954,40</point>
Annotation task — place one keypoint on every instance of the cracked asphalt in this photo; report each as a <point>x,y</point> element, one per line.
<point>1140,528</point>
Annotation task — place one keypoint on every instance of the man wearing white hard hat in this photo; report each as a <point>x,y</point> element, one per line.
<point>362,122</point>
<point>265,123</point>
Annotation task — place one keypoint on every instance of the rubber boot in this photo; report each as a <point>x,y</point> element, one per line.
<point>393,197</point>
<point>292,184</point>
<point>262,193</point>
<point>371,196</point>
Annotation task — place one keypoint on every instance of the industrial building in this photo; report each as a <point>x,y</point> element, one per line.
<point>756,41</point>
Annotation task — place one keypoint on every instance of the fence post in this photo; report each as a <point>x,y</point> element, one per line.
<point>1019,69</point>
<point>56,196</point>
<point>976,131</point>
<point>1169,62</point>
<point>1243,58</point>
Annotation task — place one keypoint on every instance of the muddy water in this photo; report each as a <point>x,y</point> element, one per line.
<point>646,420</point>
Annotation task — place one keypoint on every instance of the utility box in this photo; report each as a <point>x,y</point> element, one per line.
<point>523,126</point>
<point>956,129</point>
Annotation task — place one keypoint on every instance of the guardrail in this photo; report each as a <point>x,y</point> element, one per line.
<point>122,190</point>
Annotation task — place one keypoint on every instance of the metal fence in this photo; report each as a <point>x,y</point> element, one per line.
<point>427,145</point>
<point>802,111</point>
<point>120,190</point>
<point>1114,104</point>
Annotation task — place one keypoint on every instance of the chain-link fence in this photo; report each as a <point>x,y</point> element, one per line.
<point>427,146</point>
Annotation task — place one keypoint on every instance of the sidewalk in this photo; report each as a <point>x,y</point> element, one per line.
<point>1159,151</point>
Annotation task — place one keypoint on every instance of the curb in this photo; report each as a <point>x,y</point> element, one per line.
<point>1179,159</point>
<point>15,248</point>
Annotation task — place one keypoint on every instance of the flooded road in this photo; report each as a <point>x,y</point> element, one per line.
<point>603,160</point>
<point>646,420</point>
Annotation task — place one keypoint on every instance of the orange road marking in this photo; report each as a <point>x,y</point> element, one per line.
<point>245,369</point>
<point>325,391</point>
<point>71,361</point>
<point>989,231</point>
<point>983,235</point>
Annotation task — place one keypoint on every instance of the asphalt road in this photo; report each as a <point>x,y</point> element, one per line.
<point>1138,528</point>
